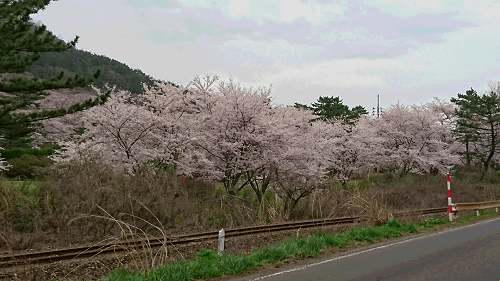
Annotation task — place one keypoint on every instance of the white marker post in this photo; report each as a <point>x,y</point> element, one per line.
<point>222,235</point>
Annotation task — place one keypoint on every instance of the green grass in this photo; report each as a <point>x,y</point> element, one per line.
<point>392,229</point>
<point>473,216</point>
<point>207,264</point>
<point>23,183</point>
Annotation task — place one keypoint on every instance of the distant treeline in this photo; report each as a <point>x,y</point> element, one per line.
<point>86,64</point>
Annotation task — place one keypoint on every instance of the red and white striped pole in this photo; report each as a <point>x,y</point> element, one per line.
<point>450,208</point>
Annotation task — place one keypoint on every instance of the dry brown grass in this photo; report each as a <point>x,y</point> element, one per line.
<point>135,241</point>
<point>115,205</point>
<point>379,198</point>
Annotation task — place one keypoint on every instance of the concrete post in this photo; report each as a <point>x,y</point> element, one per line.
<point>222,235</point>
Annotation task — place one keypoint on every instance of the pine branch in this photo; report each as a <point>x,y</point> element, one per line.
<point>49,114</point>
<point>24,84</point>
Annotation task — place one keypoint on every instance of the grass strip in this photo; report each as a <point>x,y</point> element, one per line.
<point>472,216</point>
<point>208,263</point>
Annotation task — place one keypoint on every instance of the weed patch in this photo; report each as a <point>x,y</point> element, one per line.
<point>431,222</point>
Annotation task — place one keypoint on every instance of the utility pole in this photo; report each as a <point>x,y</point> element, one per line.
<point>378,106</point>
<point>378,116</point>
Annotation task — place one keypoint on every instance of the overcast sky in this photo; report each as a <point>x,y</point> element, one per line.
<point>405,50</point>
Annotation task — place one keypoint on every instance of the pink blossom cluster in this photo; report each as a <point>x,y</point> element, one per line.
<point>3,164</point>
<point>418,138</point>
<point>221,131</point>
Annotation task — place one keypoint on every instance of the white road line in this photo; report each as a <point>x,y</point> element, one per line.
<point>371,249</point>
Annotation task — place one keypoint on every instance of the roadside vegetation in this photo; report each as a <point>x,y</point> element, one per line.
<point>208,263</point>
<point>70,206</point>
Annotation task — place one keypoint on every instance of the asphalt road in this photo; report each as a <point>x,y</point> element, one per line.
<point>469,252</point>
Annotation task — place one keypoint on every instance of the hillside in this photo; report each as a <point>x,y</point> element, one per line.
<point>72,62</point>
<point>86,64</point>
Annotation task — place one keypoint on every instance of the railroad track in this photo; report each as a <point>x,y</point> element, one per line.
<point>90,251</point>
<point>421,212</point>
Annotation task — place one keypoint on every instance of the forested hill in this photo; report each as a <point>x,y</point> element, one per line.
<point>86,64</point>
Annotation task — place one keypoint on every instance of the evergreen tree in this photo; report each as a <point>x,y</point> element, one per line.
<point>21,42</point>
<point>479,125</point>
<point>333,109</point>
<point>357,111</point>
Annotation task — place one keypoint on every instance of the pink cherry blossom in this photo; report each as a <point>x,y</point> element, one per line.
<point>416,140</point>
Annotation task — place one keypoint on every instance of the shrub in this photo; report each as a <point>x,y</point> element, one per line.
<point>17,152</point>
<point>27,166</point>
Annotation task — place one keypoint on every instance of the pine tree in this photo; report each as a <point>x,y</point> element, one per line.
<point>333,109</point>
<point>479,125</point>
<point>21,42</point>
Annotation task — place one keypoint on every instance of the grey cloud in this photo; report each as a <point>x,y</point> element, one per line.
<point>190,24</point>
<point>383,35</point>
<point>162,37</point>
<point>422,30</point>
<point>373,55</point>
<point>148,3</point>
<point>396,35</point>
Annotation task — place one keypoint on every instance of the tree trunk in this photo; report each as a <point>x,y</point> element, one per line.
<point>492,151</point>
<point>467,153</point>
<point>173,204</point>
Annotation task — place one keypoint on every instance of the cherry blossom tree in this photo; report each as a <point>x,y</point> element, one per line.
<point>447,116</point>
<point>118,131</point>
<point>176,108</point>
<point>245,141</point>
<point>292,140</point>
<point>58,129</point>
<point>232,133</point>
<point>302,167</point>
<point>445,110</point>
<point>352,150</point>
<point>413,139</point>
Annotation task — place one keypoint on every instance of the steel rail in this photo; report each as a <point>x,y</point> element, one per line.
<point>121,246</point>
<point>422,212</point>
<point>89,251</point>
